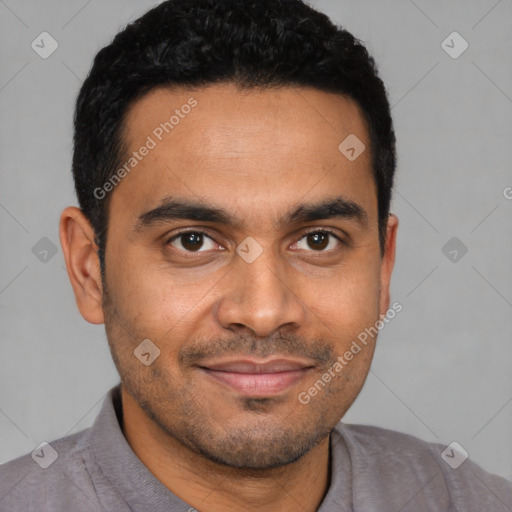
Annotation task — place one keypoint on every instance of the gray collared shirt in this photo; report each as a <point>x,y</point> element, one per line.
<point>373,470</point>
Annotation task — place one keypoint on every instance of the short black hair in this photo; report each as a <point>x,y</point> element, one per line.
<point>194,43</point>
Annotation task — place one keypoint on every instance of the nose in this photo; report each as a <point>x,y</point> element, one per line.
<point>259,296</point>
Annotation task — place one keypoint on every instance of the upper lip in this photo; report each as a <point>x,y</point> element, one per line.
<point>249,365</point>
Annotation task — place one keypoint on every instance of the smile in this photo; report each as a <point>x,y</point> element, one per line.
<point>258,379</point>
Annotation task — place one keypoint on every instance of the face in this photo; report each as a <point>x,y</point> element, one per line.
<point>245,246</point>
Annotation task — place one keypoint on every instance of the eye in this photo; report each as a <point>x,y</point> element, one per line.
<point>320,240</point>
<point>191,241</point>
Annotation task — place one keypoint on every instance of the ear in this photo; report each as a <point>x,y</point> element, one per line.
<point>388,262</point>
<point>82,263</point>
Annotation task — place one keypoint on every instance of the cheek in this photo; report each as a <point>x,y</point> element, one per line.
<point>155,299</point>
<point>152,301</point>
<point>348,301</point>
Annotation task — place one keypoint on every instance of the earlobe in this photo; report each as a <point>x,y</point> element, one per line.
<point>388,262</point>
<point>82,263</point>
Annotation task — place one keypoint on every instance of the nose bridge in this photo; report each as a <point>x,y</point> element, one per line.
<point>258,295</point>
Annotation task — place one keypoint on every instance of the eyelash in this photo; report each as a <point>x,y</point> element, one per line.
<point>204,233</point>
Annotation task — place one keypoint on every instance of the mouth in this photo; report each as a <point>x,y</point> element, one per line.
<point>258,378</point>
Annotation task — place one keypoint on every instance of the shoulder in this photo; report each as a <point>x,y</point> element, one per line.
<point>381,441</point>
<point>423,472</point>
<point>54,471</point>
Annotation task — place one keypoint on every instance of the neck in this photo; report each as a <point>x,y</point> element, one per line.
<point>211,487</point>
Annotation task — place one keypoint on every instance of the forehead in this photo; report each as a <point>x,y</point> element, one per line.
<point>257,147</point>
<point>228,120</point>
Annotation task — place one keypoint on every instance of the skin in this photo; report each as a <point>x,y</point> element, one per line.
<point>258,154</point>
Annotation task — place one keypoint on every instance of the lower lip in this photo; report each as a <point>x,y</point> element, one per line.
<point>258,385</point>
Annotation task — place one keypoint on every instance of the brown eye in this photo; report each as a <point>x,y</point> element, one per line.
<point>190,241</point>
<point>320,240</point>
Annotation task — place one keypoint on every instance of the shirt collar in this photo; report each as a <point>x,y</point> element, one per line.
<point>145,493</point>
<point>127,473</point>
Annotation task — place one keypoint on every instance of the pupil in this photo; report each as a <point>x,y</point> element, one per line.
<point>192,241</point>
<point>322,237</point>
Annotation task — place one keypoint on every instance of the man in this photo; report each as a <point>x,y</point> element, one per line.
<point>234,163</point>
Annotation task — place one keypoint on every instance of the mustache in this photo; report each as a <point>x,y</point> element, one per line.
<point>317,350</point>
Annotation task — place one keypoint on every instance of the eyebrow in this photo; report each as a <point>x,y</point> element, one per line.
<point>185,209</point>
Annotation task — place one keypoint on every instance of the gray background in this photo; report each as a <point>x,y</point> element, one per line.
<point>442,367</point>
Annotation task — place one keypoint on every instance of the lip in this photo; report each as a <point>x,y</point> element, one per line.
<point>258,378</point>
